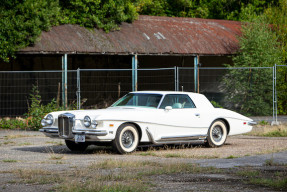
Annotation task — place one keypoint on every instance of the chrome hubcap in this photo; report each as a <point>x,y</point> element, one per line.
<point>217,133</point>
<point>127,139</point>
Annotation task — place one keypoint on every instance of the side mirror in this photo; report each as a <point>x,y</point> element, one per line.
<point>168,108</point>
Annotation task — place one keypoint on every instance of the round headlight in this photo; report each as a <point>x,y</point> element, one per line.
<point>49,119</point>
<point>87,121</point>
<point>94,124</point>
<point>43,122</point>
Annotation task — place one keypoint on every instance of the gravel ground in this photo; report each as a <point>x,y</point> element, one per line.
<point>32,150</point>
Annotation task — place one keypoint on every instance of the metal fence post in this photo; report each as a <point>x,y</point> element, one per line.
<point>273,118</point>
<point>135,73</point>
<point>78,89</point>
<point>274,122</point>
<point>275,93</point>
<point>176,78</point>
<point>195,74</point>
<point>64,81</point>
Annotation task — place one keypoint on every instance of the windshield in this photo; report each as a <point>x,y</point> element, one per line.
<point>139,100</point>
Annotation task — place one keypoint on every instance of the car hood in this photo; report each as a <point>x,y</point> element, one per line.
<point>114,113</point>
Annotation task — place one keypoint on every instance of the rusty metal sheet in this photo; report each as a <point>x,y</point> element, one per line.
<point>147,35</point>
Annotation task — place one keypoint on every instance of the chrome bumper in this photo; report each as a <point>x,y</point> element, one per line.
<point>251,123</point>
<point>53,132</point>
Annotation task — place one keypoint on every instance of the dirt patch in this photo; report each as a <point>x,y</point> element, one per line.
<point>237,179</point>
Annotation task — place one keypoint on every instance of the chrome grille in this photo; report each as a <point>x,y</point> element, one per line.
<point>66,124</point>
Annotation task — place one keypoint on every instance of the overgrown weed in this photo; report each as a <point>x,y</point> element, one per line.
<point>9,161</point>
<point>15,136</point>
<point>53,155</point>
<point>265,177</point>
<point>269,131</point>
<point>37,176</point>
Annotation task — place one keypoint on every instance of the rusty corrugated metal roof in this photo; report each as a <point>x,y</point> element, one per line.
<point>147,35</point>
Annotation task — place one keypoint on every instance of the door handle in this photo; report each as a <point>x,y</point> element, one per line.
<point>197,114</point>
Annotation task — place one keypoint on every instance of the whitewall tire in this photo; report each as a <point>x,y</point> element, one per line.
<point>217,134</point>
<point>127,139</point>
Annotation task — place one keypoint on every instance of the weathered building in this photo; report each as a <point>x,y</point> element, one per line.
<point>149,42</point>
<point>157,41</point>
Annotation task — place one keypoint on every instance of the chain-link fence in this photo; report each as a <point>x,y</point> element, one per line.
<point>245,90</point>
<point>156,79</point>
<point>280,90</point>
<point>16,87</point>
<point>99,88</point>
<point>250,91</point>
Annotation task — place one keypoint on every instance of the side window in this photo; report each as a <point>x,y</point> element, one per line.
<point>177,101</point>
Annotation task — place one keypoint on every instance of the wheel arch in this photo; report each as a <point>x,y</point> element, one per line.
<point>225,121</point>
<point>137,127</point>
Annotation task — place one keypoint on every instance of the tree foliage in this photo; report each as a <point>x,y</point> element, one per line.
<point>97,13</point>
<point>214,9</point>
<point>277,16</point>
<point>22,22</point>
<point>250,90</point>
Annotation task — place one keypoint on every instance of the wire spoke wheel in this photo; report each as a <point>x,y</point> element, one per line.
<point>127,139</point>
<point>217,134</point>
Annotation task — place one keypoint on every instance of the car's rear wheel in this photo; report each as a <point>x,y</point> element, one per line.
<point>217,134</point>
<point>78,147</point>
<point>127,139</point>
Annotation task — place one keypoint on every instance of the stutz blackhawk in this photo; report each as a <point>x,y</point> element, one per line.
<point>147,117</point>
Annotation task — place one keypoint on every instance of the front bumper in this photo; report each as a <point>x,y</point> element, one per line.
<point>91,135</point>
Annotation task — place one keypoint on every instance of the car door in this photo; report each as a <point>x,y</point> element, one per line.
<point>180,117</point>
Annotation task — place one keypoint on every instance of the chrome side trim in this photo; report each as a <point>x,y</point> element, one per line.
<point>148,122</point>
<point>191,137</point>
<point>200,139</point>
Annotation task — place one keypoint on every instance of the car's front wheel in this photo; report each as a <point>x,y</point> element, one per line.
<point>127,139</point>
<point>217,134</point>
<point>77,147</point>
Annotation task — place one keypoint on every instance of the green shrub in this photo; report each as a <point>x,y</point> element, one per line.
<point>37,110</point>
<point>263,122</point>
<point>12,124</point>
<point>249,91</point>
<point>36,113</point>
<point>216,105</point>
<point>277,133</point>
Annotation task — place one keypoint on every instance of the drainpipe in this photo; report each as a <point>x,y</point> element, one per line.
<point>134,73</point>
<point>64,81</point>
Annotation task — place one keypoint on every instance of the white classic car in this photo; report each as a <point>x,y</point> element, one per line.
<point>147,117</point>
